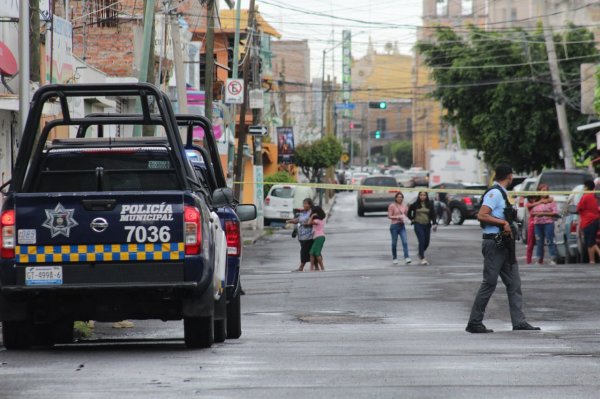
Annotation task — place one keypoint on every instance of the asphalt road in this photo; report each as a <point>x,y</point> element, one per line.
<point>364,328</point>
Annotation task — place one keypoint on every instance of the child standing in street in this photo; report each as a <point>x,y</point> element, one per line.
<point>317,220</point>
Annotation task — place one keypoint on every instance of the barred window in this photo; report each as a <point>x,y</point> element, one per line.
<point>104,13</point>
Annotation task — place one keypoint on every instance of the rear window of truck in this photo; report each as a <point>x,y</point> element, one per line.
<point>118,169</point>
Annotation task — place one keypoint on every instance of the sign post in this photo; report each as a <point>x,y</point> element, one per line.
<point>234,91</point>
<point>257,130</point>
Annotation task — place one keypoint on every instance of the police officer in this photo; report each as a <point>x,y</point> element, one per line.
<point>498,254</point>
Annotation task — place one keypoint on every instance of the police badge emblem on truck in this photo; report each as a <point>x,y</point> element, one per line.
<point>59,221</point>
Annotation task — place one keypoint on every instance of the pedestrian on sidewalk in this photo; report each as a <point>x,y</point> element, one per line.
<point>317,221</point>
<point>305,233</point>
<point>496,216</point>
<point>422,214</point>
<point>544,214</point>
<point>532,201</point>
<point>397,213</point>
<point>587,208</point>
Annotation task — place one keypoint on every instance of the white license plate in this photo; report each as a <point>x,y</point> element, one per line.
<point>43,275</point>
<point>285,214</point>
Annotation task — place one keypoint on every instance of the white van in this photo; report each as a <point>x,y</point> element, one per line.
<point>284,201</point>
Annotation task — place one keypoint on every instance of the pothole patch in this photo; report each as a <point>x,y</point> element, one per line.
<point>337,318</point>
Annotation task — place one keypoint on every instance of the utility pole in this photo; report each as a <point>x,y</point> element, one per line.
<point>179,68</point>
<point>34,41</point>
<point>146,67</point>
<point>256,120</point>
<point>239,161</point>
<point>559,99</point>
<point>234,75</point>
<point>23,65</point>
<point>210,59</point>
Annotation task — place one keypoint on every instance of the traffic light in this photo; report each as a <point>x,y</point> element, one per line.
<point>378,104</point>
<point>377,134</point>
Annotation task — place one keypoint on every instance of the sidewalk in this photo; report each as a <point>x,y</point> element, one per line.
<point>251,234</point>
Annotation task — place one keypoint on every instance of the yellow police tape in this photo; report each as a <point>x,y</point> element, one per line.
<point>353,187</point>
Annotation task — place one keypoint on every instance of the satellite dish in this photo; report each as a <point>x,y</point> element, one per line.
<point>8,64</point>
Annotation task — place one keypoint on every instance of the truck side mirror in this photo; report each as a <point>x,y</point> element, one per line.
<point>246,212</point>
<point>223,196</point>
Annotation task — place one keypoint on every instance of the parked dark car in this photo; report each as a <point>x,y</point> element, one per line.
<point>461,206</point>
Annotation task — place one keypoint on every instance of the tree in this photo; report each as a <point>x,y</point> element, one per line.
<point>313,157</point>
<point>496,89</point>
<point>401,152</point>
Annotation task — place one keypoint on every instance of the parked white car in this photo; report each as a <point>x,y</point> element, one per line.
<point>284,200</point>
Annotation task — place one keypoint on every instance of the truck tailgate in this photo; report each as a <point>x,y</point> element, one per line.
<point>99,227</point>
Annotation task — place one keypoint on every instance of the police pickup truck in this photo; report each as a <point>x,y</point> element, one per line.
<point>108,227</point>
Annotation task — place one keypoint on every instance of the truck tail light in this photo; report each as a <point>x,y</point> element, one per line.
<point>521,202</point>
<point>7,224</point>
<point>367,191</point>
<point>268,200</point>
<point>468,201</point>
<point>192,231</point>
<point>234,238</point>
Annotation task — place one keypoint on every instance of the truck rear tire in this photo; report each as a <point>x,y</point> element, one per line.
<point>234,318</point>
<point>457,216</point>
<point>198,332</point>
<point>221,319</point>
<point>17,334</point>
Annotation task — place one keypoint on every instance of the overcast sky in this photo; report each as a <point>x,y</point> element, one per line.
<point>322,22</point>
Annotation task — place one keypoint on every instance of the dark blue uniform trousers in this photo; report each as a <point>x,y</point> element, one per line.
<point>496,263</point>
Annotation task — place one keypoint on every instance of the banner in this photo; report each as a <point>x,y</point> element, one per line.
<point>285,145</point>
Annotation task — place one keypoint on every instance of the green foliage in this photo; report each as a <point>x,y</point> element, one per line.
<point>496,88</point>
<point>313,157</point>
<point>400,152</point>
<point>279,177</point>
<point>597,92</point>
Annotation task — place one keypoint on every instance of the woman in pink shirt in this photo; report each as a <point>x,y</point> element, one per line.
<point>317,220</point>
<point>544,215</point>
<point>397,212</point>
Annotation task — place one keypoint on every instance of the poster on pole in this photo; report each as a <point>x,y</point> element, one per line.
<point>346,69</point>
<point>285,145</point>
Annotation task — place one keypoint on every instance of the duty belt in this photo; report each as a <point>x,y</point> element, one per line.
<point>489,236</point>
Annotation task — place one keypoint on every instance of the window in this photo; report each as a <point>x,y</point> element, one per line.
<point>441,8</point>
<point>409,125</point>
<point>104,13</point>
<point>467,7</point>
<point>283,192</point>
<point>382,124</point>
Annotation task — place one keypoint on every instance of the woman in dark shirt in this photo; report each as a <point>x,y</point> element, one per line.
<point>422,215</point>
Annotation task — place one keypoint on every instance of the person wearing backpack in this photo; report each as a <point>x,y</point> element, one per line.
<point>497,216</point>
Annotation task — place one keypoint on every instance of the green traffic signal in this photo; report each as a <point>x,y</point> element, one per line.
<point>377,134</point>
<point>378,104</point>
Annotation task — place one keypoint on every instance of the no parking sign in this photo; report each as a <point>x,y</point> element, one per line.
<point>234,91</point>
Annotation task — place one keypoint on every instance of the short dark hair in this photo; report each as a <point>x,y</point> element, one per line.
<point>589,184</point>
<point>502,171</point>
